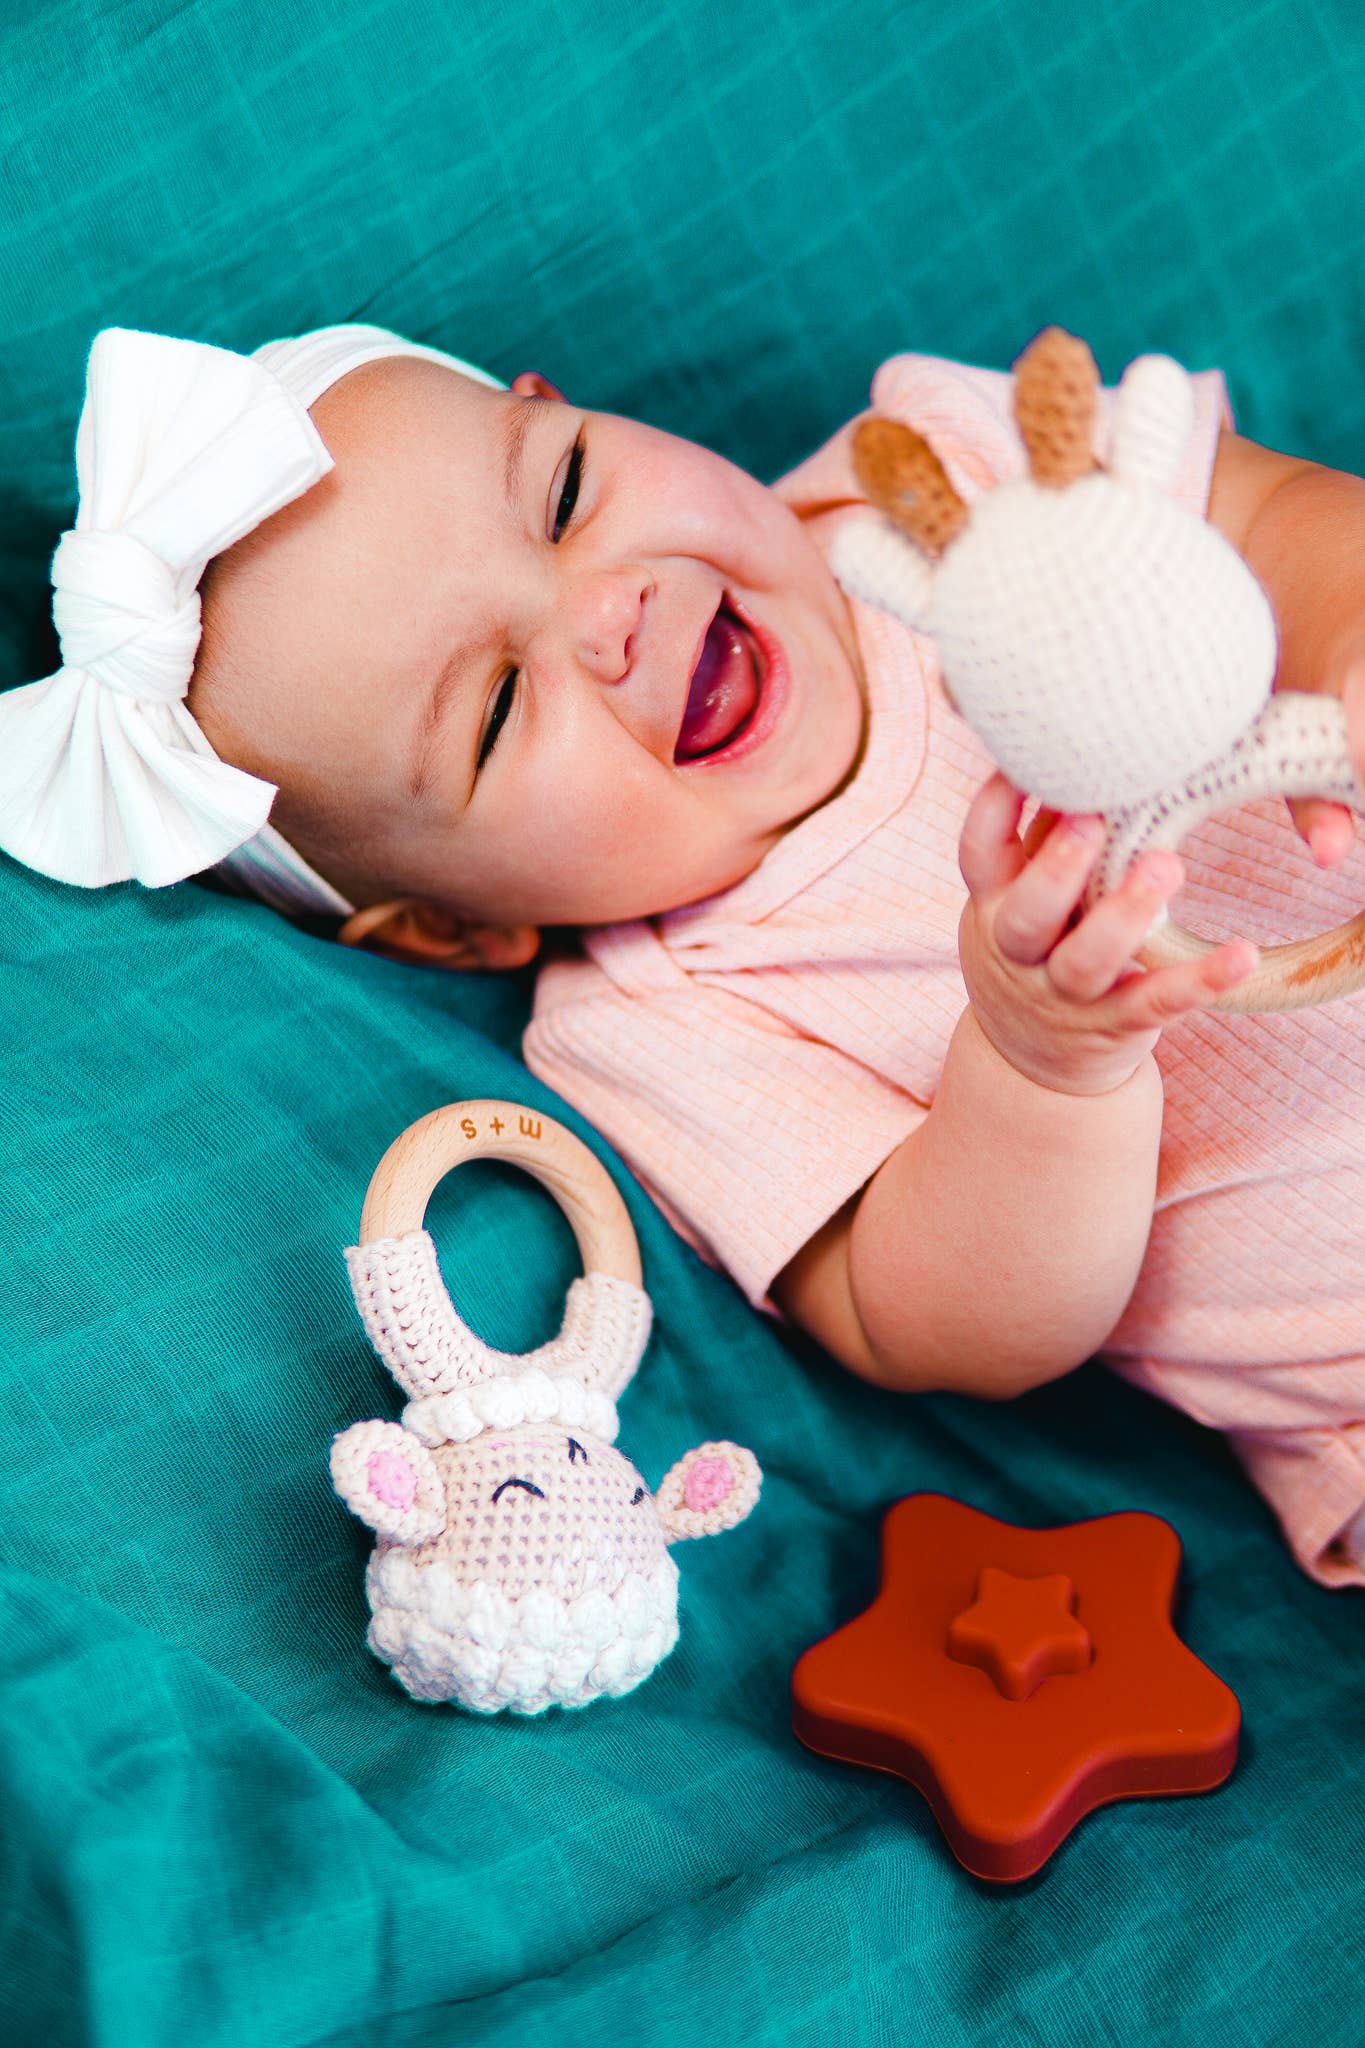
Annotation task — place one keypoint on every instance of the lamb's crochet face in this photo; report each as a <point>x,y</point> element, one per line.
<point>480,656</point>
<point>537,1506</point>
<point>538,1573</point>
<point>527,1566</point>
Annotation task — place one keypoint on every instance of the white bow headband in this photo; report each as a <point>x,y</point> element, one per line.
<point>182,448</point>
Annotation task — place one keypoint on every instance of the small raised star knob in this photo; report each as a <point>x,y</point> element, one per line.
<point>1021,1631</point>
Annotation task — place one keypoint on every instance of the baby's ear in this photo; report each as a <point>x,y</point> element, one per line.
<point>530,384</point>
<point>412,929</point>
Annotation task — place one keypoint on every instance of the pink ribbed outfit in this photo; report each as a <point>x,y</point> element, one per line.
<point>756,1056</point>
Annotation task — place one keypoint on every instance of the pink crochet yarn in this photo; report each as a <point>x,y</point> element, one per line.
<point>391,1480</point>
<point>707,1483</point>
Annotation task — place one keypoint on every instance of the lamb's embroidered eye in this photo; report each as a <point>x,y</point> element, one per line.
<point>637,1496</point>
<point>574,1445</point>
<point>517,1482</point>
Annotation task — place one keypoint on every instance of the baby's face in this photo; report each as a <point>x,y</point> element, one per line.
<point>490,572</point>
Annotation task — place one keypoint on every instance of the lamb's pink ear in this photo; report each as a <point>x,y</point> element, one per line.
<point>708,1490</point>
<point>389,1478</point>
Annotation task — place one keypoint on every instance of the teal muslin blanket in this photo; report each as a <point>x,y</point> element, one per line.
<point>221,1822</point>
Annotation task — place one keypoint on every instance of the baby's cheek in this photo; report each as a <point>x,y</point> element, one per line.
<point>702,504</point>
<point>576,828</point>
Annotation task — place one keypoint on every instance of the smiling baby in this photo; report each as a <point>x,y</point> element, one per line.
<point>458,665</point>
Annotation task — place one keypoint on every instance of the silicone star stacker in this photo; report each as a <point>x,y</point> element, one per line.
<point>1019,1678</point>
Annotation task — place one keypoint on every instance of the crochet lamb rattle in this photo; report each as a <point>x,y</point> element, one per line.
<point>1111,650</point>
<point>522,1562</point>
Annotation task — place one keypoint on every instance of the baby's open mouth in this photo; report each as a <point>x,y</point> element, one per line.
<point>724,691</point>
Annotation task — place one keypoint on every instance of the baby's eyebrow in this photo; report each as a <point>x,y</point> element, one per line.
<point>516,422</point>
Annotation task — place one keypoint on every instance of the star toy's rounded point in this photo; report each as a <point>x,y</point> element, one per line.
<point>1019,1678</point>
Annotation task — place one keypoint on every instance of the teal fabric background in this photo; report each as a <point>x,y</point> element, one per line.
<point>220,1820</point>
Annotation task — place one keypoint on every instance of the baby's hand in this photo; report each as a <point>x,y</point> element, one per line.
<point>1329,829</point>
<point>1056,992</point>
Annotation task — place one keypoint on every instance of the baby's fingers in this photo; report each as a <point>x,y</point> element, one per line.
<point>991,825</point>
<point>1153,999</point>
<point>1327,829</point>
<point>1090,959</point>
<point>988,850</point>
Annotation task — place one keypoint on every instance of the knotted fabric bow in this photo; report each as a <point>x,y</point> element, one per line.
<point>181,449</point>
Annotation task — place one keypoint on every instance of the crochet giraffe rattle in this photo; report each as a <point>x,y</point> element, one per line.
<point>522,1562</point>
<point>1112,651</point>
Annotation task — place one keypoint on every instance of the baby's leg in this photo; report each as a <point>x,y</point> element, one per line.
<point>1306,1453</point>
<point>1249,1312</point>
<point>1314,1479</point>
<point>1353,1542</point>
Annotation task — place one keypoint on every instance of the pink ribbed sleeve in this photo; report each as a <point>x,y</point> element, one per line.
<point>746,1134</point>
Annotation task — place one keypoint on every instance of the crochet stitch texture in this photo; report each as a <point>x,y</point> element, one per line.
<point>1112,650</point>
<point>1101,640</point>
<point>522,1561</point>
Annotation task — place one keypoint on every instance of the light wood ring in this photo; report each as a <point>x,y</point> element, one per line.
<point>405,1178</point>
<point>1305,971</point>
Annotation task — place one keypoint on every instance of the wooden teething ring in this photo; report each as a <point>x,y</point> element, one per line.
<point>404,1180</point>
<point>1288,977</point>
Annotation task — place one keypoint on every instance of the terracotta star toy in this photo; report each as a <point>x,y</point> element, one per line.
<point>1019,1678</point>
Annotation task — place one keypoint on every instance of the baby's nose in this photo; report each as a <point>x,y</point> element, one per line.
<point>607,608</point>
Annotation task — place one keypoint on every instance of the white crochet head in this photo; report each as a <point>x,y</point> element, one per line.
<point>1102,641</point>
<point>522,1561</point>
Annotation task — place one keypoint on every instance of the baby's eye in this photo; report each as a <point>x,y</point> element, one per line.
<point>568,497</point>
<point>502,711</point>
<point>568,501</point>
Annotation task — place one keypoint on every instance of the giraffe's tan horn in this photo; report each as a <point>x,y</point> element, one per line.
<point>1056,383</point>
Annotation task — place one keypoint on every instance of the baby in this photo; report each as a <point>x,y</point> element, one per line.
<point>500,668</point>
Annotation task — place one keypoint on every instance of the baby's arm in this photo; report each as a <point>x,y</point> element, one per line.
<point>1301,529</point>
<point>998,1245</point>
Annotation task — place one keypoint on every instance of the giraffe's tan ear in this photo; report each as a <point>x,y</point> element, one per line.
<point>904,478</point>
<point>1055,386</point>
